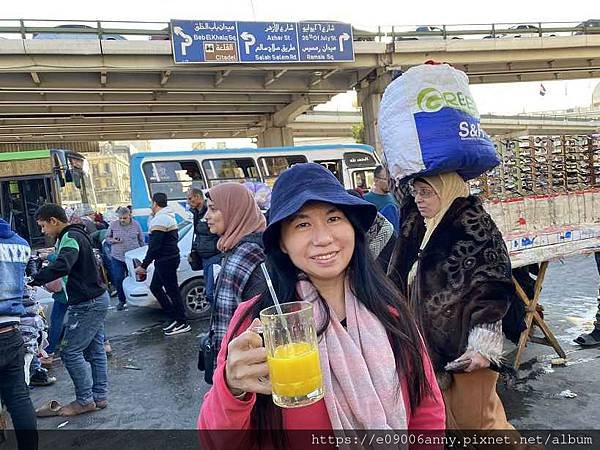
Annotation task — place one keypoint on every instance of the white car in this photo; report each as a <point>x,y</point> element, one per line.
<point>191,283</point>
<point>524,31</point>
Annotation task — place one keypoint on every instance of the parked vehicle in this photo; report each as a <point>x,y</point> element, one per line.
<point>524,31</point>
<point>73,35</point>
<point>191,283</point>
<point>173,173</point>
<point>590,26</point>
<point>429,32</point>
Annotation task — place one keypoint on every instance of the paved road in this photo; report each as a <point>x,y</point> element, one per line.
<point>155,383</point>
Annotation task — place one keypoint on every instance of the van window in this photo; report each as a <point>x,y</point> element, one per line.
<point>335,167</point>
<point>173,178</point>
<point>363,179</point>
<point>230,169</point>
<point>272,166</point>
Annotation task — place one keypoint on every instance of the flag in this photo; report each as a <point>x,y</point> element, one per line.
<point>542,90</point>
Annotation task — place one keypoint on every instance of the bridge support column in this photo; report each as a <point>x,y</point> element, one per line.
<point>276,137</point>
<point>369,98</point>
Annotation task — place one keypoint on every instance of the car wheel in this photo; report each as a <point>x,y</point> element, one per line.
<point>194,298</point>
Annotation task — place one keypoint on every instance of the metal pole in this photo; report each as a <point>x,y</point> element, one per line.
<point>22,23</point>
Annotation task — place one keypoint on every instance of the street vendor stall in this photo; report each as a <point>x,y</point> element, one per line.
<point>542,247</point>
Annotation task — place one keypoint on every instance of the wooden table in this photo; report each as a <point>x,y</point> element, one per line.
<point>543,256</point>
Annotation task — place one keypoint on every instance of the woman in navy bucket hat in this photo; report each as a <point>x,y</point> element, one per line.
<point>376,371</point>
<point>312,182</point>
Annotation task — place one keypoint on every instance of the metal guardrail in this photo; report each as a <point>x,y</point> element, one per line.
<point>380,33</point>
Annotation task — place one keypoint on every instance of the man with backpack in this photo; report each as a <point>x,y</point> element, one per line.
<point>87,307</point>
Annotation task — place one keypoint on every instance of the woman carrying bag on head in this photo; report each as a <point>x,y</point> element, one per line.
<point>376,372</point>
<point>451,262</point>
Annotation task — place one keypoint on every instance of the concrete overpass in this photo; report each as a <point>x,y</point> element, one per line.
<point>83,90</point>
<point>322,124</point>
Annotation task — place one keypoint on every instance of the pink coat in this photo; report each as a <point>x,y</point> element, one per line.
<point>222,411</point>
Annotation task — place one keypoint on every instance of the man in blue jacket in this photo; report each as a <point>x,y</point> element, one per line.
<point>14,255</point>
<point>87,302</point>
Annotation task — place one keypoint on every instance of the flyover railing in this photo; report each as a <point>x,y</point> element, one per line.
<point>137,30</point>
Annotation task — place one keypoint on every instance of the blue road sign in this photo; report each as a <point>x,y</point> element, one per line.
<point>325,41</point>
<point>210,41</point>
<point>204,41</point>
<point>268,41</point>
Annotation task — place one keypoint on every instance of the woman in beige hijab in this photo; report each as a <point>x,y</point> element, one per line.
<point>451,263</point>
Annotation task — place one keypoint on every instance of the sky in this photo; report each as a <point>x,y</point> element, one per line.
<point>373,12</point>
<point>508,98</point>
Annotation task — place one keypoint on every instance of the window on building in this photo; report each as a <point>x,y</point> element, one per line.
<point>173,178</point>
<point>231,169</point>
<point>272,166</point>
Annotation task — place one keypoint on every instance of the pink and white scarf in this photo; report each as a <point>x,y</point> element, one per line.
<point>359,368</point>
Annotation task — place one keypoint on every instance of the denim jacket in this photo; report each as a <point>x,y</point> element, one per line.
<point>14,255</point>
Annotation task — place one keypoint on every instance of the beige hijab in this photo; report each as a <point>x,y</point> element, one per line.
<point>241,214</point>
<point>448,186</point>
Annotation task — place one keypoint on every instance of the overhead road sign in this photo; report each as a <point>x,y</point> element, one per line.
<point>214,41</point>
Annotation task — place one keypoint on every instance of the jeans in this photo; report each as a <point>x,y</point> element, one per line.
<point>165,288</point>
<point>82,349</point>
<point>13,390</point>
<point>209,282</point>
<point>118,270</point>
<point>57,319</point>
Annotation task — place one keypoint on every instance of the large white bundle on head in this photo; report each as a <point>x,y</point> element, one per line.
<point>429,123</point>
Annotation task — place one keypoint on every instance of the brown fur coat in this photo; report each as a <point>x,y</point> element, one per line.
<point>463,278</point>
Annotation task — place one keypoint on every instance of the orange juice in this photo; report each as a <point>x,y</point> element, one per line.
<point>295,373</point>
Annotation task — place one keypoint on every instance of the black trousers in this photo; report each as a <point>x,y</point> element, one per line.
<point>597,321</point>
<point>14,391</point>
<point>165,288</point>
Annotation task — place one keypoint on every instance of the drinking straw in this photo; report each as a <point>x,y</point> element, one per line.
<point>276,301</point>
<point>270,286</point>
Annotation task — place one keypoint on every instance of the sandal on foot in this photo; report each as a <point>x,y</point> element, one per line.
<point>101,404</point>
<point>587,340</point>
<point>75,408</point>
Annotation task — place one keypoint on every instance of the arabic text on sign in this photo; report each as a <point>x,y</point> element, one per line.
<point>279,28</point>
<point>318,27</point>
<point>212,26</point>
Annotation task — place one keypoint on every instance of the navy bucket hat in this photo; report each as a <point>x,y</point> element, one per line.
<point>310,182</point>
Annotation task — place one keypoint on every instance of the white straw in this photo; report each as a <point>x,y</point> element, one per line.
<point>271,289</point>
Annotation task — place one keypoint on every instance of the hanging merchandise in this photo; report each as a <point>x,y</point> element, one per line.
<point>429,124</point>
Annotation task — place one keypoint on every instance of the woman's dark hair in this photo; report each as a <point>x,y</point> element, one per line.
<point>377,293</point>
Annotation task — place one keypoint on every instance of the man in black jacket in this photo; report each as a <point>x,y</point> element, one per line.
<point>205,243</point>
<point>163,251</point>
<point>83,340</point>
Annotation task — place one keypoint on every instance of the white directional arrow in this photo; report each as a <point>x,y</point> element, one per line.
<point>249,41</point>
<point>343,37</point>
<point>187,39</point>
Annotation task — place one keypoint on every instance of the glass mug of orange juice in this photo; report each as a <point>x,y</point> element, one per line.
<point>292,354</point>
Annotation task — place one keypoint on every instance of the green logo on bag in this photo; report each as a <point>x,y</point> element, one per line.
<point>432,100</point>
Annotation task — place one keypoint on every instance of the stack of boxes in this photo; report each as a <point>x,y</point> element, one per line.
<point>545,191</point>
